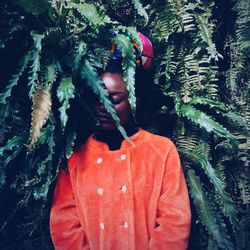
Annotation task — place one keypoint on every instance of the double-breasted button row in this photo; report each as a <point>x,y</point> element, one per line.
<point>102,226</point>
<point>100,190</point>
<point>99,160</point>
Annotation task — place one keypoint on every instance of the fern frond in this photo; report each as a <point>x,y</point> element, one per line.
<point>236,66</point>
<point>194,139</point>
<point>65,92</point>
<point>225,200</point>
<point>88,73</point>
<point>209,102</point>
<point>238,120</point>
<point>223,228</point>
<point>33,6</point>
<point>185,139</point>
<point>212,90</point>
<point>49,75</point>
<point>197,70</point>
<point>40,112</point>
<point>140,10</point>
<point>90,13</point>
<point>45,166</point>
<point>128,64</point>
<point>246,137</point>
<point>35,59</point>
<point>183,12</point>
<point>70,142</point>
<point>206,34</point>
<point>12,156</point>
<point>102,56</point>
<point>164,23</point>
<point>14,78</point>
<point>12,143</point>
<point>242,8</point>
<point>48,133</point>
<point>195,73</point>
<point>208,123</point>
<point>80,52</point>
<point>183,77</point>
<point>166,69</point>
<point>244,187</point>
<point>203,207</point>
<point>211,82</point>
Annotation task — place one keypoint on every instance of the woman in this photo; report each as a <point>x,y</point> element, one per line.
<point>119,196</point>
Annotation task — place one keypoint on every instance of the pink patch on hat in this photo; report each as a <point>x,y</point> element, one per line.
<point>147,51</point>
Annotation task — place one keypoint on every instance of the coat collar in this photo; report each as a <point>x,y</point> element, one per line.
<point>102,146</point>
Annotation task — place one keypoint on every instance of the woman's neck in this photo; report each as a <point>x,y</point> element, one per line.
<point>114,138</point>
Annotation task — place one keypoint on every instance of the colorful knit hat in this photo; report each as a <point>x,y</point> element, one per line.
<point>147,51</point>
<point>143,53</point>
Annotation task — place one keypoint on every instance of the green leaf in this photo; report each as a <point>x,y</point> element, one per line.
<point>65,92</point>
<point>236,119</point>
<point>226,201</point>
<point>70,142</point>
<point>33,6</point>
<point>14,78</point>
<point>50,75</point>
<point>45,165</point>
<point>13,155</point>
<point>37,184</point>
<point>205,121</point>
<point>15,141</point>
<point>206,29</point>
<point>124,44</point>
<point>44,134</point>
<point>241,9</point>
<point>141,11</point>
<point>41,192</point>
<point>210,102</point>
<point>203,206</point>
<point>35,59</point>
<point>80,52</point>
<point>91,13</point>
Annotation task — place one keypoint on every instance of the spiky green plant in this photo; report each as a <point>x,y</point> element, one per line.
<point>49,51</point>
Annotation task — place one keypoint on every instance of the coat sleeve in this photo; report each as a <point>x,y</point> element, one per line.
<point>65,228</point>
<point>173,211</point>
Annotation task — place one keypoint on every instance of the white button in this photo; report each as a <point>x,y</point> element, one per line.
<point>124,188</point>
<point>99,160</point>
<point>102,225</point>
<point>100,191</point>
<point>123,156</point>
<point>125,224</point>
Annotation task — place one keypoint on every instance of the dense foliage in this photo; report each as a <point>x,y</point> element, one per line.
<point>49,52</point>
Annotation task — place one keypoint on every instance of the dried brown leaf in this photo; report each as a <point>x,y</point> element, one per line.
<point>40,112</point>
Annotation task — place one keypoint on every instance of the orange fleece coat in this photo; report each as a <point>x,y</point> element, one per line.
<point>127,199</point>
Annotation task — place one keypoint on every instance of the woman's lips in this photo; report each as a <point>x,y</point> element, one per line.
<point>104,118</point>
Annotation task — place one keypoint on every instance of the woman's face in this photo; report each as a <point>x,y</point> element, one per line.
<point>118,95</point>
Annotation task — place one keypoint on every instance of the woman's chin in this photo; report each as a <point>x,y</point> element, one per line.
<point>107,125</point>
